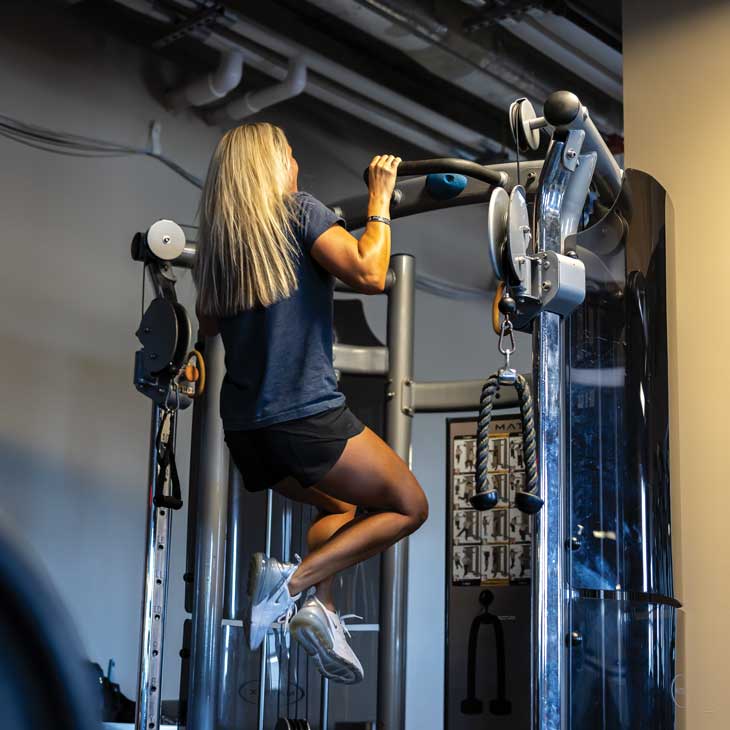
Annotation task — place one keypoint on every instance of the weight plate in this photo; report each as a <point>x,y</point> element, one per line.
<point>184,331</point>
<point>497,218</point>
<point>158,332</point>
<point>166,240</point>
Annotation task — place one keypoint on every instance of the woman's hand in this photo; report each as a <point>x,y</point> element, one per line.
<point>381,177</point>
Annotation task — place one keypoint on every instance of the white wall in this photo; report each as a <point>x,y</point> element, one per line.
<point>676,62</point>
<point>74,432</point>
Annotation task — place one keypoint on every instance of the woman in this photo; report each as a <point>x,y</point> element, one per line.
<point>264,273</point>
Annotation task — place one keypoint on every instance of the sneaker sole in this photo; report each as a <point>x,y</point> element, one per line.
<point>316,643</point>
<point>256,574</point>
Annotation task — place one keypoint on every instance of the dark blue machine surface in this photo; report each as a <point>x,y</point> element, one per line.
<point>623,611</point>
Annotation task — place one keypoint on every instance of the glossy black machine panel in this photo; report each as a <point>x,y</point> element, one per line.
<point>623,612</point>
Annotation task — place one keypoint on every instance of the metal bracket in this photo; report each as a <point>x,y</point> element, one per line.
<point>193,23</point>
<point>557,284</point>
<point>571,151</point>
<point>406,398</point>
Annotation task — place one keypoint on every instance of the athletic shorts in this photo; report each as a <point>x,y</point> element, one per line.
<point>306,448</point>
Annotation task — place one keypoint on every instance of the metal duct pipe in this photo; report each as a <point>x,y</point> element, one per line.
<point>212,86</point>
<point>374,103</point>
<point>572,48</point>
<point>485,72</point>
<point>293,84</point>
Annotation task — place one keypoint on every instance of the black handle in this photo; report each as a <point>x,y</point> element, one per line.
<point>448,164</point>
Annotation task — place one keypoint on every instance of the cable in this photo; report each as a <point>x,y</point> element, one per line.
<point>144,281</point>
<point>76,145</point>
<point>446,289</point>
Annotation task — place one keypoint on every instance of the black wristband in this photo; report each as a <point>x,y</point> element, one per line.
<point>378,218</point>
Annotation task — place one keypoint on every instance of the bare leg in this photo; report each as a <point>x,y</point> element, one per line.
<point>322,529</point>
<point>371,475</point>
<point>332,515</point>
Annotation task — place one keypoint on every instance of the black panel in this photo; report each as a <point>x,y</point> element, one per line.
<point>623,614</point>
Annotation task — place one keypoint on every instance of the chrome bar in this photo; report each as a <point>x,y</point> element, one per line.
<point>265,646</point>
<point>324,704</point>
<point>357,360</point>
<point>234,596</point>
<point>154,602</point>
<point>549,602</point>
<point>394,561</point>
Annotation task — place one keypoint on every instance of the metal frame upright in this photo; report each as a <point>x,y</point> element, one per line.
<point>564,184</point>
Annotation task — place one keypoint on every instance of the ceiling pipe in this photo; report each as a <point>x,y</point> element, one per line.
<point>365,86</point>
<point>482,71</point>
<point>212,86</point>
<point>332,95</point>
<point>370,101</point>
<point>572,48</point>
<point>294,83</point>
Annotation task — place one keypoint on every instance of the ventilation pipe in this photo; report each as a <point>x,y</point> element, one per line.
<point>292,85</point>
<point>344,89</point>
<point>211,87</point>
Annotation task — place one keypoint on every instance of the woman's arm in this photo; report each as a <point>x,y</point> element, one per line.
<point>363,263</point>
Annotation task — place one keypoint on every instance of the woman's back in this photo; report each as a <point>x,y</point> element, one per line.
<point>279,358</point>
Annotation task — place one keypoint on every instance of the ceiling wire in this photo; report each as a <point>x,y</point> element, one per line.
<point>75,145</point>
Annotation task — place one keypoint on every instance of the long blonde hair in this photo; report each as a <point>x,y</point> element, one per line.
<point>245,255</point>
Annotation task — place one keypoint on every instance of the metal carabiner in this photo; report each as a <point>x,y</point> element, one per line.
<point>507,375</point>
<point>506,332</point>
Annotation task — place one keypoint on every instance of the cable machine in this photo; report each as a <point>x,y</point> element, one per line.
<point>550,283</point>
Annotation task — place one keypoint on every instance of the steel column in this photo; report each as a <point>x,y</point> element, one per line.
<point>261,707</point>
<point>233,597</point>
<point>211,471</point>
<point>549,589</point>
<point>324,704</point>
<point>233,642</point>
<point>394,561</point>
<point>154,602</point>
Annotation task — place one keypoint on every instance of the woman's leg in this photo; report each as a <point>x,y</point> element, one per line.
<point>332,515</point>
<point>371,475</point>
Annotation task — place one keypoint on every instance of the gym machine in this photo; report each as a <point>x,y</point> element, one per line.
<point>584,272</point>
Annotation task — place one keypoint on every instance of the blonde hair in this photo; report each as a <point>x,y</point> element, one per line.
<point>245,255</point>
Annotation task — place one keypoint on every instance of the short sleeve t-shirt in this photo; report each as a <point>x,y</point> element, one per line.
<point>279,358</point>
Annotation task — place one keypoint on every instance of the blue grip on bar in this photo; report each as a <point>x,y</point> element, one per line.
<point>445,185</point>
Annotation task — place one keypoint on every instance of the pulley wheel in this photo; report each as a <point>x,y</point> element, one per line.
<point>497,228</point>
<point>166,240</point>
<point>521,113</point>
<point>519,236</point>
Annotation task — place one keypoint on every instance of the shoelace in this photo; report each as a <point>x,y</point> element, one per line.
<point>286,618</point>
<point>311,593</point>
<point>344,625</point>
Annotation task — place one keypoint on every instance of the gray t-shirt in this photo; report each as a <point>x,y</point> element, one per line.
<point>279,358</point>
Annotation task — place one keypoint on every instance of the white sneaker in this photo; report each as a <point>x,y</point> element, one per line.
<point>269,599</point>
<point>323,634</point>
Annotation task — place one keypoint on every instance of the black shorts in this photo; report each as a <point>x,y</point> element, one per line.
<point>306,448</point>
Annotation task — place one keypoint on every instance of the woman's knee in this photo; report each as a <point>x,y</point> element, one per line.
<point>415,507</point>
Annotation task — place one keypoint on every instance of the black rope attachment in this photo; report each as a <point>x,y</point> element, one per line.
<point>486,497</point>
